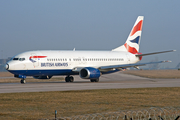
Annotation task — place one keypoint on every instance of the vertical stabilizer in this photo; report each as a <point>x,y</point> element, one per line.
<point>133,41</point>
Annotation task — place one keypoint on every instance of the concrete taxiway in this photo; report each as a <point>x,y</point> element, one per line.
<point>109,81</point>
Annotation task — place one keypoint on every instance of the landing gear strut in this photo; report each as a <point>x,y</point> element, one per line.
<point>69,79</point>
<point>94,80</point>
<point>23,81</point>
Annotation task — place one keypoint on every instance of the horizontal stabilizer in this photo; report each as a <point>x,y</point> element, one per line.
<point>139,55</point>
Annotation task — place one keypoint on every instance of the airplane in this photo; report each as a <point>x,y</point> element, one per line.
<point>44,64</point>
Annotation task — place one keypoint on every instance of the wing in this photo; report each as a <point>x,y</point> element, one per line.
<point>113,67</point>
<point>129,65</point>
<point>77,69</point>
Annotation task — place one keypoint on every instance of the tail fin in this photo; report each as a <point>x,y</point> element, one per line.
<point>133,41</point>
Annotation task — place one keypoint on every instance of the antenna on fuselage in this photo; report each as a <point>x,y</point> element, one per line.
<point>74,49</point>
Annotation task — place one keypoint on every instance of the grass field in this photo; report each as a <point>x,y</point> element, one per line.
<point>6,74</point>
<point>17,80</point>
<point>174,74</point>
<point>20,106</point>
<point>69,103</point>
<point>9,78</point>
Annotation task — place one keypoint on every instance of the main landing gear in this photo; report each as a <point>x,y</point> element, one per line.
<point>23,81</point>
<point>69,79</point>
<point>94,80</point>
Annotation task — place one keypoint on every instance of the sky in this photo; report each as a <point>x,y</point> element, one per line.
<point>27,25</point>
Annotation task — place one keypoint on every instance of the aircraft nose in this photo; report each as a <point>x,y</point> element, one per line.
<point>7,66</point>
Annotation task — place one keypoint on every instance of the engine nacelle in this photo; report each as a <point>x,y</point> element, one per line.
<point>42,77</point>
<point>89,73</point>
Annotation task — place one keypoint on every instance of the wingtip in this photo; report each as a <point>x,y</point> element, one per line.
<point>167,61</point>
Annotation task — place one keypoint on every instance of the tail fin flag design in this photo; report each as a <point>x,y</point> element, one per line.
<point>133,41</point>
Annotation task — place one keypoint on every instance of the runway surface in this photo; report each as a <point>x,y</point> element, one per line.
<point>109,81</point>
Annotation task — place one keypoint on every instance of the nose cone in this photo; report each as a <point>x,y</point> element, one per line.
<point>7,66</point>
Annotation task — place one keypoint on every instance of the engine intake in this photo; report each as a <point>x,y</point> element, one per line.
<point>89,73</point>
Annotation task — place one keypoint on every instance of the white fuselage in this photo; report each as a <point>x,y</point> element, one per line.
<point>66,60</point>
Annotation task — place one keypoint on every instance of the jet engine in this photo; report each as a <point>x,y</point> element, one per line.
<point>89,73</point>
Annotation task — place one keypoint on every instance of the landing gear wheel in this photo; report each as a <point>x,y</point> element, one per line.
<point>69,79</point>
<point>97,80</point>
<point>23,81</point>
<point>94,80</point>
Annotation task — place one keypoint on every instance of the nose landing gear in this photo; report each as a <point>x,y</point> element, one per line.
<point>23,77</point>
<point>23,81</point>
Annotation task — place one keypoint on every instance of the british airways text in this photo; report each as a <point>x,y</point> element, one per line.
<point>54,64</point>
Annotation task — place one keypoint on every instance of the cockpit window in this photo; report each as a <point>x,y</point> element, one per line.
<point>15,58</point>
<point>21,59</point>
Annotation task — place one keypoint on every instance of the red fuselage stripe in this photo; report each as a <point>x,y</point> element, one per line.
<point>37,57</point>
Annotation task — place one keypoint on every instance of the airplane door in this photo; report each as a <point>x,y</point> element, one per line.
<point>80,60</point>
<point>69,62</point>
<point>83,60</point>
<point>128,58</point>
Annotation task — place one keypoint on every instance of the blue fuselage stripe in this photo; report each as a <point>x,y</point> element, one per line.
<point>49,72</point>
<point>42,72</point>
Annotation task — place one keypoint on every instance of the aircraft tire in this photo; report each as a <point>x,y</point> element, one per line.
<point>23,81</point>
<point>71,79</point>
<point>67,79</point>
<point>94,80</point>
